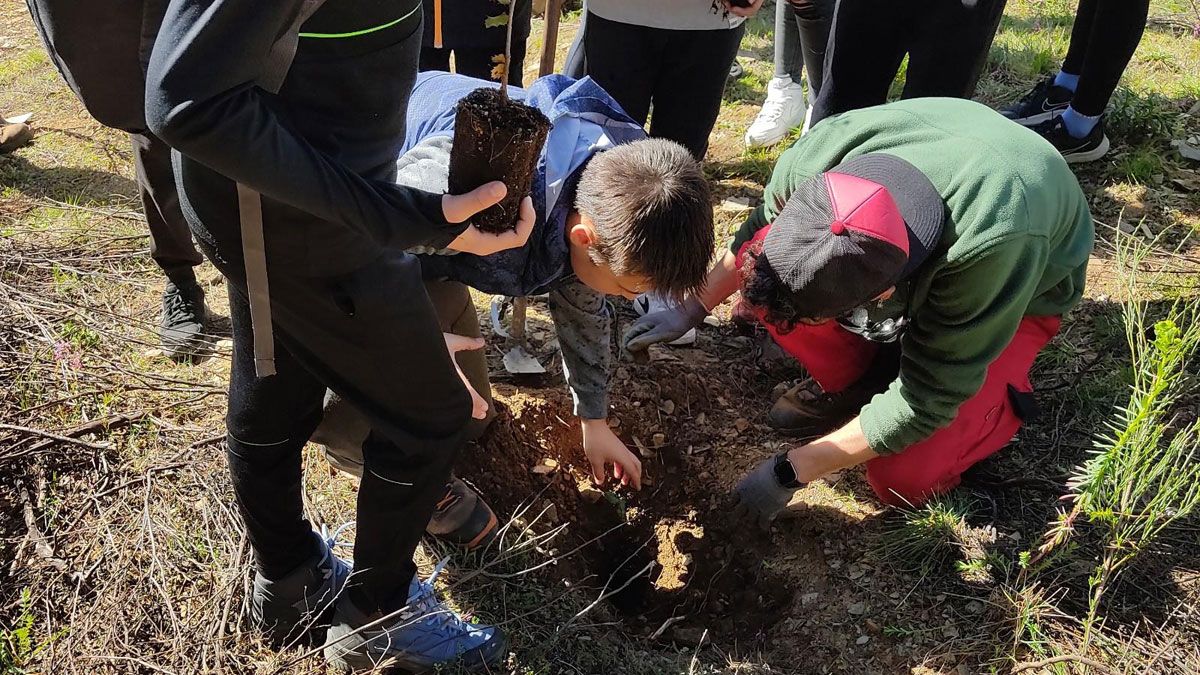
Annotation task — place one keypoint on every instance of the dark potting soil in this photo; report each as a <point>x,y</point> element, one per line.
<point>496,138</point>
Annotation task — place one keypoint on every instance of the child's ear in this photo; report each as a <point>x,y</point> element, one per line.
<point>582,235</point>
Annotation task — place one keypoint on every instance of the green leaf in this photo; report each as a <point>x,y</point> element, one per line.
<point>496,21</point>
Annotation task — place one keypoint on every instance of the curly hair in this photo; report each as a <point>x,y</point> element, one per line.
<point>762,288</point>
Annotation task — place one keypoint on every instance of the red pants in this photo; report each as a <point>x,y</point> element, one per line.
<point>984,424</point>
<point>837,358</point>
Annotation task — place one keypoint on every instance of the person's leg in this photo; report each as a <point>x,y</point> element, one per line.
<point>784,108</point>
<point>184,313</point>
<point>789,56</point>
<point>950,47</point>
<point>434,58</point>
<point>1116,31</point>
<point>690,83</point>
<point>866,45</point>
<point>268,422</point>
<point>813,19</point>
<point>984,424</point>
<point>171,244</point>
<point>625,60</point>
<point>1081,36</point>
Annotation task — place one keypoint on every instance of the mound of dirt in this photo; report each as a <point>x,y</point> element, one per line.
<point>702,564</point>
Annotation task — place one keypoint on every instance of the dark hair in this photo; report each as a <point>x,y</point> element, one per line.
<point>762,288</point>
<point>652,209</point>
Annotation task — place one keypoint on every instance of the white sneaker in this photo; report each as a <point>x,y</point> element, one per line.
<point>647,303</point>
<point>783,111</point>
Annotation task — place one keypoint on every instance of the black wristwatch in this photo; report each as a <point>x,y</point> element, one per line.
<point>785,473</point>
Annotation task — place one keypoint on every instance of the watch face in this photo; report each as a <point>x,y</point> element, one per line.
<point>784,472</point>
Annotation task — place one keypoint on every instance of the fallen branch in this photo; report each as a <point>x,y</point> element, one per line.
<point>71,436</point>
<point>1062,658</point>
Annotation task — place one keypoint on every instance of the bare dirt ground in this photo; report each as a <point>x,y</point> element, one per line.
<point>120,551</point>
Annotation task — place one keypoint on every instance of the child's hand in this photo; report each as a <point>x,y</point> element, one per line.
<point>456,344</point>
<point>602,447</point>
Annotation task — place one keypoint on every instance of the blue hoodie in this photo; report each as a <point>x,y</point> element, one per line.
<point>584,120</point>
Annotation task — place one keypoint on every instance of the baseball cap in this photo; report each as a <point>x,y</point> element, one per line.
<point>852,232</point>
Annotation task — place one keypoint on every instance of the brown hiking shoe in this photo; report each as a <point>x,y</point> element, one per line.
<point>13,136</point>
<point>462,517</point>
<point>806,410</point>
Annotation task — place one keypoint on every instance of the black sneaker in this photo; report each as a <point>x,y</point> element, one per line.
<point>1075,150</point>
<point>1044,102</point>
<point>184,316</point>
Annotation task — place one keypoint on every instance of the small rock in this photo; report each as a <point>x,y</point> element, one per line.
<point>224,345</point>
<point>590,493</point>
<point>667,406</point>
<point>547,466</point>
<point>862,639</point>
<point>735,204</point>
<point>741,424</point>
<point>691,636</point>
<point>614,422</point>
<point>658,440</point>
<point>808,598</point>
<point>858,608</point>
<point>701,419</point>
<point>975,607</point>
<point>855,572</point>
<point>950,631</point>
<point>642,449</point>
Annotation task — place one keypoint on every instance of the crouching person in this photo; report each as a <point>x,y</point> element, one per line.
<point>914,257</point>
<point>617,214</point>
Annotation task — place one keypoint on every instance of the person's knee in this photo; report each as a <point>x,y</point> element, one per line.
<point>900,481</point>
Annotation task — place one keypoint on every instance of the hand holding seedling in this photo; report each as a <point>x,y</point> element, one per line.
<point>456,344</point>
<point>602,447</point>
<point>459,208</point>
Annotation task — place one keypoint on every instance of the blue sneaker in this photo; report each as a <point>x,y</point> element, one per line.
<point>293,608</point>
<point>422,636</point>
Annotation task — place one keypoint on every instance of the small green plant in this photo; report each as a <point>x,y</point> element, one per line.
<point>1142,117</point>
<point>1141,164</point>
<point>18,649</point>
<point>928,536</point>
<point>1144,474</point>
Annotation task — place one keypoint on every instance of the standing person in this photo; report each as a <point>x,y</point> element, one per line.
<point>672,55</point>
<point>1067,108</point>
<point>460,27</point>
<point>934,225</point>
<point>947,43</point>
<point>101,50</point>
<point>287,126</point>
<point>801,32</point>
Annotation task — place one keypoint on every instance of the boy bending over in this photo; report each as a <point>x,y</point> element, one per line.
<point>617,214</point>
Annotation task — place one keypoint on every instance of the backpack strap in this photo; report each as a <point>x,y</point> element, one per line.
<point>258,291</point>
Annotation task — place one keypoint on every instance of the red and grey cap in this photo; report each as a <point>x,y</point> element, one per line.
<point>847,235</point>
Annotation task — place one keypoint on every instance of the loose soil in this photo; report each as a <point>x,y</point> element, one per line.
<point>496,138</point>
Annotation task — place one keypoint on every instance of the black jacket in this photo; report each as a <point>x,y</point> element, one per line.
<point>321,151</point>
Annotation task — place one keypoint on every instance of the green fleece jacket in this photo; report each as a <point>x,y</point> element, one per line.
<point>1016,243</point>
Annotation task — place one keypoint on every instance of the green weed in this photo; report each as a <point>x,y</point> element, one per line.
<point>1141,165</point>
<point>19,647</point>
<point>929,536</point>
<point>1142,117</point>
